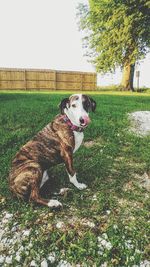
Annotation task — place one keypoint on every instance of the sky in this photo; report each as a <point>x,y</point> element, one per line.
<point>44,34</point>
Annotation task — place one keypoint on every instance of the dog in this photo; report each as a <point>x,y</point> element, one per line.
<point>55,144</point>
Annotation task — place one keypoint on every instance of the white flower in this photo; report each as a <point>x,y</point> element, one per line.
<point>8,259</point>
<point>100,252</point>
<point>63,263</point>
<point>99,239</point>
<point>44,263</point>
<point>94,197</point>
<point>2,258</point>
<point>108,212</point>
<point>63,191</point>
<point>18,258</point>
<point>26,232</point>
<point>5,240</point>
<point>115,226</point>
<point>128,244</point>
<point>88,223</point>
<point>105,236</point>
<point>2,232</point>
<point>8,216</point>
<point>30,245</point>
<point>33,263</point>
<point>145,263</point>
<point>21,248</point>
<point>104,264</point>
<point>108,246</point>
<point>137,251</point>
<point>52,257</point>
<point>60,225</point>
<point>14,228</point>
<point>104,243</point>
<point>4,220</point>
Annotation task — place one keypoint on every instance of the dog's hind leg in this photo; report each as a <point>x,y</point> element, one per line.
<point>35,196</point>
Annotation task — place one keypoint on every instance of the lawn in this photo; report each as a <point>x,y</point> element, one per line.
<point>105,225</point>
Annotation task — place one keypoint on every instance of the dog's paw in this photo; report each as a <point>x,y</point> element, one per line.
<point>53,203</point>
<point>81,186</point>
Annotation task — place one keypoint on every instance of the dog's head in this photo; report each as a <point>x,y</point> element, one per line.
<point>77,108</point>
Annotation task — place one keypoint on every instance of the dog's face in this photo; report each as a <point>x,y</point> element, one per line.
<point>77,108</point>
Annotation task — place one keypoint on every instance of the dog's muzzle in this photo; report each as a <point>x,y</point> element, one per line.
<point>84,121</point>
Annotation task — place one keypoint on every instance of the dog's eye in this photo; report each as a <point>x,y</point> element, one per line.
<point>74,106</point>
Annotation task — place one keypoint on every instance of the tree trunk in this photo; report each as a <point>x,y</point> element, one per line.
<point>127,78</point>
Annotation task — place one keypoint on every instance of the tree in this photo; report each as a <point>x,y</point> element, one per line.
<point>117,34</point>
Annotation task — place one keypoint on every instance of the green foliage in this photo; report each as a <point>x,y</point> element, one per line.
<point>117,31</point>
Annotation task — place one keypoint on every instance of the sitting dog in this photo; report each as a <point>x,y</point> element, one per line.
<point>55,144</point>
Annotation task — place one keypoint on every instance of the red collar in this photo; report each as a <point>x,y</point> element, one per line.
<point>71,125</point>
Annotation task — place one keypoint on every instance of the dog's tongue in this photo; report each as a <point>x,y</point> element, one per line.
<point>86,120</point>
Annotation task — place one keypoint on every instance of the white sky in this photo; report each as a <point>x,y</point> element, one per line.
<point>44,34</point>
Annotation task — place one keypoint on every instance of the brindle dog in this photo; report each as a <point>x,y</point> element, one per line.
<point>52,145</point>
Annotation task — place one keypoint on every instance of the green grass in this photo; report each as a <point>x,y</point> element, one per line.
<point>115,88</point>
<point>119,209</point>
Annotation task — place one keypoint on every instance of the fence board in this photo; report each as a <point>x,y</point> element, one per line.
<point>30,79</point>
<point>88,78</point>
<point>11,75</point>
<point>40,85</point>
<point>12,85</point>
<point>89,86</point>
<point>41,76</point>
<point>68,86</point>
<point>67,77</point>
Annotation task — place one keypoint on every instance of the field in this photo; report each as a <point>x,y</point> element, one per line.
<point>105,225</point>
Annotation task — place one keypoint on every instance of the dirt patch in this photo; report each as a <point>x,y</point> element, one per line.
<point>140,122</point>
<point>91,143</point>
<point>143,180</point>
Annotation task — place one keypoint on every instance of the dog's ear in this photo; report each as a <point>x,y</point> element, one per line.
<point>93,104</point>
<point>64,104</point>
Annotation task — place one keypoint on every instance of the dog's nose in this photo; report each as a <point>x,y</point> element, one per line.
<point>81,120</point>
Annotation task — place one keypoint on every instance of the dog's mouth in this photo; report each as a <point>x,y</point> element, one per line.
<point>83,125</point>
<point>84,121</point>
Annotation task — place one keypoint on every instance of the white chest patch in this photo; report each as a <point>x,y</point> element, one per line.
<point>78,140</point>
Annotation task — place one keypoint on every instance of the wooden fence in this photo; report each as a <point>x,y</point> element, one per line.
<point>36,79</point>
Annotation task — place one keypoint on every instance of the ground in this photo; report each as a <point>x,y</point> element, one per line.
<point>105,225</point>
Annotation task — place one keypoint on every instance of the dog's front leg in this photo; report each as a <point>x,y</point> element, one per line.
<point>68,159</point>
<point>75,182</point>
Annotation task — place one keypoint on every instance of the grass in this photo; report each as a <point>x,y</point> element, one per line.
<point>105,224</point>
<point>113,88</point>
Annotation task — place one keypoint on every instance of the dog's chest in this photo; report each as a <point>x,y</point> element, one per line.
<point>78,137</point>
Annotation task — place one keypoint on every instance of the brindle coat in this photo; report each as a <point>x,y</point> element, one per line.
<point>52,145</point>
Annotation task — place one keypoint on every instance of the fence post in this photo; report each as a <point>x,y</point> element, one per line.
<point>25,79</point>
<point>82,82</point>
<point>55,80</point>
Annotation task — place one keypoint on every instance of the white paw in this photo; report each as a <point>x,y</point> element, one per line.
<point>81,186</point>
<point>53,203</point>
